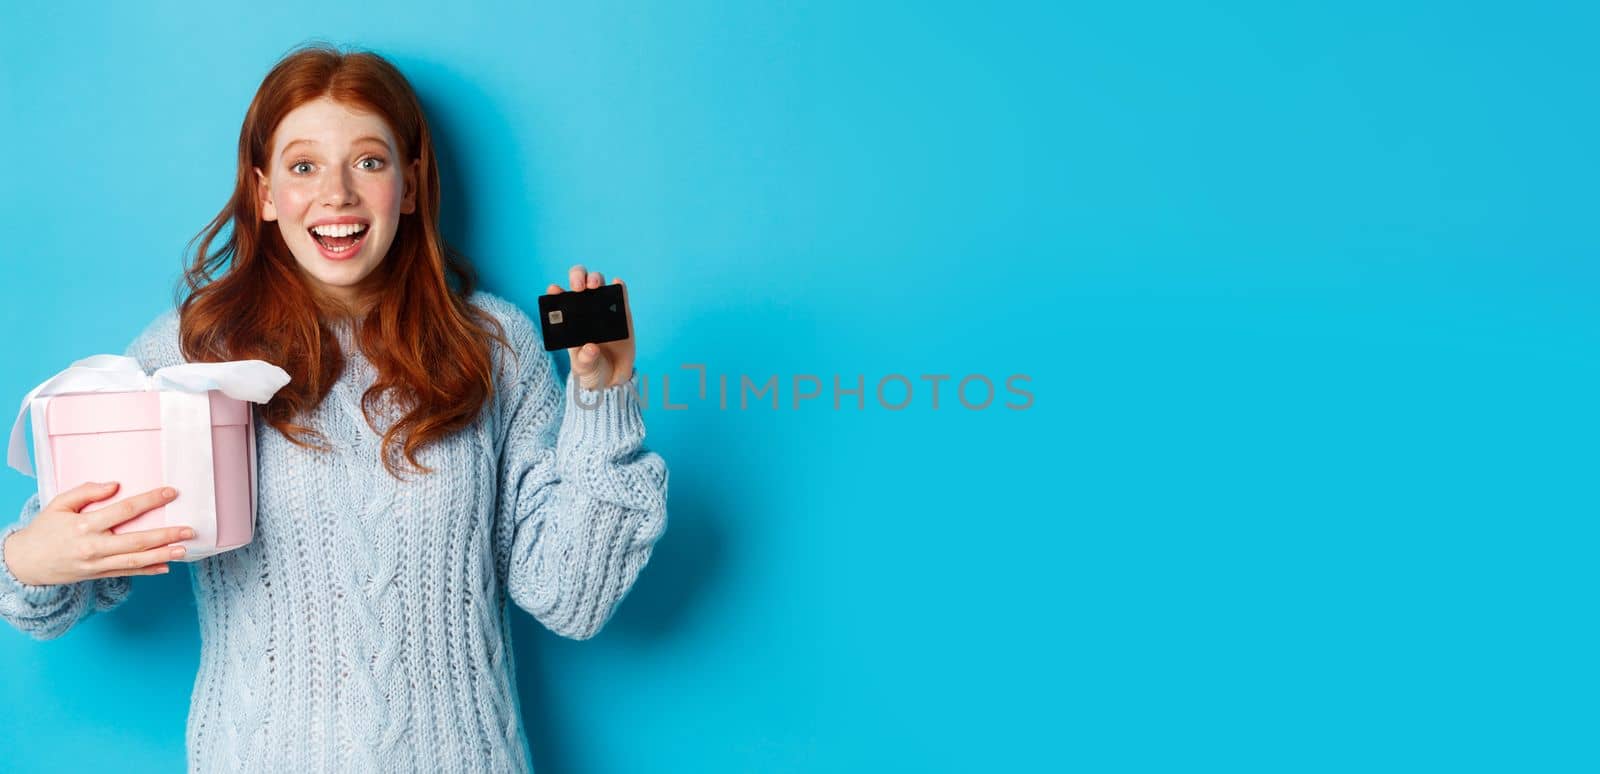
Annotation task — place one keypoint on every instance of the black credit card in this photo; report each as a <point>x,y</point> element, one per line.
<point>573,318</point>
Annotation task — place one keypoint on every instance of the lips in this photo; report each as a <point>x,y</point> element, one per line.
<point>344,243</point>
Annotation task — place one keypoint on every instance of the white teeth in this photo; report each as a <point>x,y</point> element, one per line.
<point>340,230</point>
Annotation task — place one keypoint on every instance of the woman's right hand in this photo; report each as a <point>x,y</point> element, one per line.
<point>64,544</point>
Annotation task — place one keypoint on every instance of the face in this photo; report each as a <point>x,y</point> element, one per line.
<point>337,189</point>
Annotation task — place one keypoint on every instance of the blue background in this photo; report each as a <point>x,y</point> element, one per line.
<point>1306,296</point>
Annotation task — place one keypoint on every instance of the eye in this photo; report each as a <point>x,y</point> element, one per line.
<point>377,163</point>
<point>296,167</point>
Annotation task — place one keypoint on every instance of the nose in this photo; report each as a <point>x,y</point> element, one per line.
<point>337,190</point>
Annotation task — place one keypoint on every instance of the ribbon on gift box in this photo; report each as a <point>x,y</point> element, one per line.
<point>187,462</point>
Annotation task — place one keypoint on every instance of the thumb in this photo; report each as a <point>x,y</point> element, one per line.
<point>583,358</point>
<point>592,367</point>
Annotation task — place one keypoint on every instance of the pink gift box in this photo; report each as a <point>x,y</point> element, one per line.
<point>117,436</point>
<point>187,426</point>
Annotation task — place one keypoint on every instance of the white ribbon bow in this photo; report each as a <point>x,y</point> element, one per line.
<point>252,380</point>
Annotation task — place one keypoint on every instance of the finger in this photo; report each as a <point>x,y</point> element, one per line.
<point>590,365</point>
<point>142,540</point>
<point>127,562</point>
<point>76,498</point>
<point>154,569</point>
<point>583,357</point>
<point>552,290</point>
<point>596,279</point>
<point>106,518</point>
<point>577,276</point>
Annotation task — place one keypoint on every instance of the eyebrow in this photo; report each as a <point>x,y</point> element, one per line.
<point>358,140</point>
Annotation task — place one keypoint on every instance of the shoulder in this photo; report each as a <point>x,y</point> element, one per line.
<point>523,371</point>
<point>509,315</point>
<point>526,353</point>
<point>157,346</point>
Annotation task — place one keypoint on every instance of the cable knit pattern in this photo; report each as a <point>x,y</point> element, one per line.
<point>366,628</point>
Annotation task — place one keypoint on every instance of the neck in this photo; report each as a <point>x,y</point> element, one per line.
<point>349,303</point>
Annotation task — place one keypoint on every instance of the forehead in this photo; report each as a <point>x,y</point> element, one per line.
<point>329,125</point>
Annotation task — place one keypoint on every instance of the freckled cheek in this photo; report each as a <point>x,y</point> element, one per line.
<point>294,204</point>
<point>382,197</point>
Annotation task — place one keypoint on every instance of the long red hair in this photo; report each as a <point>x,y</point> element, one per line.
<point>246,299</point>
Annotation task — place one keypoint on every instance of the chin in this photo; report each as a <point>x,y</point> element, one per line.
<point>337,279</point>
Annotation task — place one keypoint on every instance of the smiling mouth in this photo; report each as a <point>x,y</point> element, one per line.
<point>341,239</point>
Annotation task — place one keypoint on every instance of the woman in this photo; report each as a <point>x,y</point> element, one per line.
<point>422,464</point>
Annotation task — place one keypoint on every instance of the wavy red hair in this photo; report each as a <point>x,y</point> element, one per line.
<point>246,299</point>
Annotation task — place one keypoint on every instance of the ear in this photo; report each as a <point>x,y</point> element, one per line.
<point>408,202</point>
<point>264,195</point>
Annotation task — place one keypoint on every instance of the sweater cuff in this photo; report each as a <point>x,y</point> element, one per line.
<point>606,419</point>
<point>28,593</point>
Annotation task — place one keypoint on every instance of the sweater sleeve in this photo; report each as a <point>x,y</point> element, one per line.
<point>47,612</point>
<point>581,502</point>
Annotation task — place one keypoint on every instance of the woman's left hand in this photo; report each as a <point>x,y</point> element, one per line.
<point>599,365</point>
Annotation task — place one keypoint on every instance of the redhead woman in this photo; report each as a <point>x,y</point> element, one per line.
<point>423,467</point>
